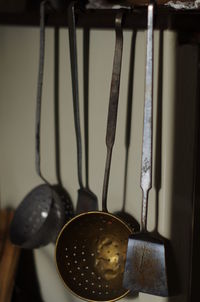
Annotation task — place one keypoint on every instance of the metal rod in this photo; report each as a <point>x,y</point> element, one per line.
<point>86,52</point>
<point>146,171</point>
<point>39,92</point>
<point>113,105</point>
<point>75,92</point>
<point>129,114</point>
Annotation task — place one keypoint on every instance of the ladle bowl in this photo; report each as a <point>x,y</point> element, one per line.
<point>91,254</point>
<point>129,220</point>
<point>38,219</point>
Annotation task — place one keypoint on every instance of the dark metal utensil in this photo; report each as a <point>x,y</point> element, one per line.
<point>60,190</point>
<point>87,200</point>
<point>40,216</point>
<point>91,248</point>
<point>145,269</point>
<point>126,217</point>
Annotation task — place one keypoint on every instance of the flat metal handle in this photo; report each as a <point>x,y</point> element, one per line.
<point>113,105</point>
<point>146,169</point>
<point>86,54</point>
<point>39,92</point>
<point>75,92</point>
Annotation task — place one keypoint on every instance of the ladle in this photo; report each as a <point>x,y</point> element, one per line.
<point>40,216</point>
<point>125,216</point>
<point>61,191</point>
<point>87,200</point>
<point>91,248</point>
<point>145,269</point>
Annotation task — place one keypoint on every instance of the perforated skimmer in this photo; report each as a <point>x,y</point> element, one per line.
<point>91,248</point>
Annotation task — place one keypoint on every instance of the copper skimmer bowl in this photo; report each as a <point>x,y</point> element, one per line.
<point>91,254</point>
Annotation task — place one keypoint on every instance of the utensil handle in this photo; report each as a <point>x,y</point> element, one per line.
<point>146,171</point>
<point>86,52</point>
<point>75,92</point>
<point>39,91</point>
<point>129,114</point>
<point>113,104</point>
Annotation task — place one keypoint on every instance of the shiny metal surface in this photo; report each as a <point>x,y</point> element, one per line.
<point>145,269</point>
<point>146,173</point>
<point>146,266</point>
<point>91,254</point>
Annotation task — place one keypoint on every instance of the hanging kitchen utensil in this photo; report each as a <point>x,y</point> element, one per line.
<point>60,190</point>
<point>91,248</point>
<point>87,200</point>
<point>40,216</point>
<point>145,269</point>
<point>126,217</point>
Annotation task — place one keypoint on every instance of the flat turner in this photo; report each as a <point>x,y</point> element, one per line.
<point>145,269</point>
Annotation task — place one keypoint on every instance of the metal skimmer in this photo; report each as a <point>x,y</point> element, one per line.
<point>91,248</point>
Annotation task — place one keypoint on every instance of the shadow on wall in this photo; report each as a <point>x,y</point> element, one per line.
<point>183,164</point>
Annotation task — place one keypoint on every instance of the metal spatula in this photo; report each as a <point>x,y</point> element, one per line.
<point>145,268</point>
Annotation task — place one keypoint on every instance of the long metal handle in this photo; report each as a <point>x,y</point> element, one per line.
<point>86,53</point>
<point>75,92</point>
<point>129,114</point>
<point>113,105</point>
<point>39,91</point>
<point>146,172</point>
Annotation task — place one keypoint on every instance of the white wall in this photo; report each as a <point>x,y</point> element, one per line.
<point>19,50</point>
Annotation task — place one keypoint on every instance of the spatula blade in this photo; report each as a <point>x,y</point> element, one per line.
<point>145,269</point>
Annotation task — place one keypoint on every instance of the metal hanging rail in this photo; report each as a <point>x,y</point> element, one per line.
<point>168,16</point>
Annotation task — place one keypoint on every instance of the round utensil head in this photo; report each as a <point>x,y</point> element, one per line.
<point>129,220</point>
<point>91,255</point>
<point>38,219</point>
<point>66,201</point>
